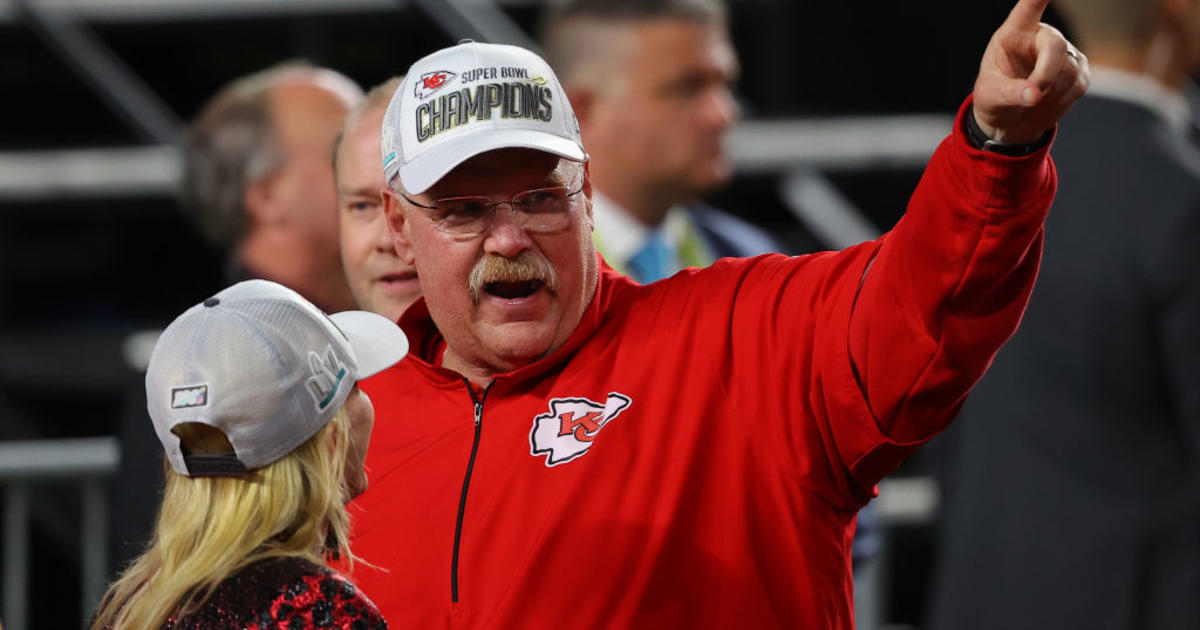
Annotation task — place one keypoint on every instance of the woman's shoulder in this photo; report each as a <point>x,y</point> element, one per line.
<point>286,592</point>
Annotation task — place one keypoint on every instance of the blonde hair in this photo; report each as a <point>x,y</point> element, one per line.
<point>210,527</point>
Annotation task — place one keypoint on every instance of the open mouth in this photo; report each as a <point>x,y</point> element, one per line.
<point>513,290</point>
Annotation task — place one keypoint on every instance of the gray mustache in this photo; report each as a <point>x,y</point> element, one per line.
<point>526,266</point>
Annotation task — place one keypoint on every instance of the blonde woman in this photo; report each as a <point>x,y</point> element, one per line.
<point>253,394</point>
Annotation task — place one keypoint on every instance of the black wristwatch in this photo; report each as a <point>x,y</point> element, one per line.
<point>980,140</point>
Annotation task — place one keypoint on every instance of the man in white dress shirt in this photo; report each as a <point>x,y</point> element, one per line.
<point>650,83</point>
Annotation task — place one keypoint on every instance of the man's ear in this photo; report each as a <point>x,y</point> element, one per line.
<point>262,204</point>
<point>398,225</point>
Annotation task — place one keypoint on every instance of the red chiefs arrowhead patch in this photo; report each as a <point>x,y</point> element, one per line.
<point>568,429</point>
<point>431,82</point>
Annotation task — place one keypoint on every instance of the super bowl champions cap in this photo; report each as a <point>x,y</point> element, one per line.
<point>265,367</point>
<point>467,99</point>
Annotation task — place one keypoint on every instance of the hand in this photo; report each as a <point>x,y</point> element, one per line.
<point>1029,78</point>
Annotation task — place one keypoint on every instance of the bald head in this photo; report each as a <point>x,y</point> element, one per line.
<point>236,139</point>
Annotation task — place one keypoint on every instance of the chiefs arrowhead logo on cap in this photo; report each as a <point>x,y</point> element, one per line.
<point>572,424</point>
<point>431,82</point>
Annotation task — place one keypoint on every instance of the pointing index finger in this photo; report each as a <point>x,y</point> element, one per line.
<point>1027,13</point>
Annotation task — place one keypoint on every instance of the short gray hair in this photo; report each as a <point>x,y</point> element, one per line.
<point>566,25</point>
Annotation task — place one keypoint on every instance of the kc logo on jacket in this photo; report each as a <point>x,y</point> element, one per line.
<point>572,424</point>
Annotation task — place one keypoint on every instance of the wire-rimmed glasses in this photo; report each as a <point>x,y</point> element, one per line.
<point>541,210</point>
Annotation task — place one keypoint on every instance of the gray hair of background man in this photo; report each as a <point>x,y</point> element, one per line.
<point>377,98</point>
<point>231,143</point>
<point>571,41</point>
<point>1129,23</point>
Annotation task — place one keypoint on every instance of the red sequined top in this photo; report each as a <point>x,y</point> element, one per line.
<point>284,593</point>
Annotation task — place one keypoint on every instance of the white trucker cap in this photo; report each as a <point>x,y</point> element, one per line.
<point>467,99</point>
<point>265,367</point>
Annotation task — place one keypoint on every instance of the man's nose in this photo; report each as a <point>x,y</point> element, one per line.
<point>506,236</point>
<point>721,110</point>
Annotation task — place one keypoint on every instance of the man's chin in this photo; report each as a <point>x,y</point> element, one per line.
<point>516,344</point>
<point>703,182</point>
<point>711,179</point>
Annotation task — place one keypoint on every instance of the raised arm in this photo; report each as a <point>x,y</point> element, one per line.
<point>950,282</point>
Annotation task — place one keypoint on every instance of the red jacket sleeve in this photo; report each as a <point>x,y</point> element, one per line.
<point>945,289</point>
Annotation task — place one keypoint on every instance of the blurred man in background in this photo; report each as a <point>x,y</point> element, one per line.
<point>257,183</point>
<point>257,180</point>
<point>379,280</point>
<point>650,83</point>
<point>1074,496</point>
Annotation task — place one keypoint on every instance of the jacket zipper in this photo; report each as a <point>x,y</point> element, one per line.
<point>462,501</point>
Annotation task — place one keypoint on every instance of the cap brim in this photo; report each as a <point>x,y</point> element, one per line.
<point>377,341</point>
<point>425,171</point>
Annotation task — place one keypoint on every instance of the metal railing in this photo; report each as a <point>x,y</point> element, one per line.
<point>24,465</point>
<point>89,462</point>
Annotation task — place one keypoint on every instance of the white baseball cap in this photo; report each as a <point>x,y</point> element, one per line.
<point>265,367</point>
<point>467,99</point>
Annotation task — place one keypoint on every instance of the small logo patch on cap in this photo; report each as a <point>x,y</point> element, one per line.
<point>327,375</point>
<point>192,396</point>
<point>431,82</point>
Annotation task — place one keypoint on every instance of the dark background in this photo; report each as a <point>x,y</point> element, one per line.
<point>86,261</point>
<point>78,275</point>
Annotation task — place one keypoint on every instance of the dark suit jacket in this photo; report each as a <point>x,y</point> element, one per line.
<point>1073,497</point>
<point>729,236</point>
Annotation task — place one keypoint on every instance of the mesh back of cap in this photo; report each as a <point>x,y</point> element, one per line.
<point>267,373</point>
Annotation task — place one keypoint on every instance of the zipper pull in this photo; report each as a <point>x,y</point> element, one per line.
<point>478,413</point>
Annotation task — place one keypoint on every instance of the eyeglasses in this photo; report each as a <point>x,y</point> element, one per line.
<point>542,210</point>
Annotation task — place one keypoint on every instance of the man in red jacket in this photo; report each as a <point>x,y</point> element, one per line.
<point>567,448</point>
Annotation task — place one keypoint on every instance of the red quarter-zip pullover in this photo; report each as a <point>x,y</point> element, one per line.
<point>695,454</point>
